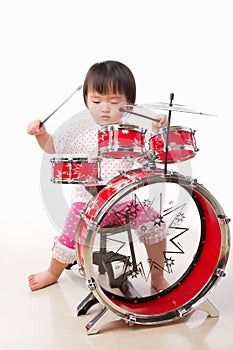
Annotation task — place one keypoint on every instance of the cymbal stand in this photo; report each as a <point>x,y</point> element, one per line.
<point>167,135</point>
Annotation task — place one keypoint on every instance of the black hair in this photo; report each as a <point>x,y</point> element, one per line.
<point>111,76</point>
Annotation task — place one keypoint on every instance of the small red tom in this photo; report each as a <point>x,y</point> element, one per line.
<point>181,144</point>
<point>76,170</point>
<point>119,141</point>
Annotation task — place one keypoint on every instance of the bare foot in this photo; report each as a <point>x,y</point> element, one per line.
<point>47,277</point>
<point>159,283</point>
<point>41,280</point>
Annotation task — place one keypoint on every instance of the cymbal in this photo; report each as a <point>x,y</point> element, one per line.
<point>174,107</point>
<point>165,106</point>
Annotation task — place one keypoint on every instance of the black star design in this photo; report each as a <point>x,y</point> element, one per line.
<point>132,209</point>
<point>169,262</point>
<point>158,220</point>
<point>179,217</point>
<point>147,203</point>
<point>143,228</point>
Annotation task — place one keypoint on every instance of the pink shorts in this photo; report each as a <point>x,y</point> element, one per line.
<point>140,218</point>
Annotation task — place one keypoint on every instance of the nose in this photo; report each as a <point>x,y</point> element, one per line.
<point>105,107</point>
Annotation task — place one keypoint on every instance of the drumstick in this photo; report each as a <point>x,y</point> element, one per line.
<point>138,114</point>
<point>68,98</point>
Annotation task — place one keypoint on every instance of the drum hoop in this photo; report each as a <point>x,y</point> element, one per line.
<point>172,128</point>
<point>76,181</point>
<point>121,148</point>
<point>179,147</point>
<point>115,127</point>
<point>58,160</point>
<point>189,156</point>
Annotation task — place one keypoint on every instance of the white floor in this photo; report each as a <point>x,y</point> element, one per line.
<point>47,319</point>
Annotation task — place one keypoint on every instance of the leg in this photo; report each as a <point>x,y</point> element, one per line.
<point>156,260</point>
<point>63,252</point>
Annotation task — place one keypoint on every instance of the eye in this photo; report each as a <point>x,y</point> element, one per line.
<point>114,103</point>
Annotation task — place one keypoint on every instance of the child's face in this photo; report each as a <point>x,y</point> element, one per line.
<point>105,108</point>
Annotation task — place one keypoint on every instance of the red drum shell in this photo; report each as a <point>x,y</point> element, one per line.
<point>119,141</point>
<point>181,144</point>
<point>80,170</point>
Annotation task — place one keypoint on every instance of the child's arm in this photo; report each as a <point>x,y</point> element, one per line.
<point>44,139</point>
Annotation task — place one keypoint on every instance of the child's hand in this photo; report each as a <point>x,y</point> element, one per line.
<point>35,128</point>
<point>162,122</point>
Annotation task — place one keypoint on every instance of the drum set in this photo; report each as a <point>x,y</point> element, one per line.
<point>110,252</point>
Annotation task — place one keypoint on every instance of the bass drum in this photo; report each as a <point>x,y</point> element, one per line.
<point>119,224</point>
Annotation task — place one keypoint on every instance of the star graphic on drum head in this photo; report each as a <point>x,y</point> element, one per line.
<point>143,228</point>
<point>169,262</point>
<point>179,217</point>
<point>134,274</point>
<point>158,220</point>
<point>147,203</point>
<point>132,209</point>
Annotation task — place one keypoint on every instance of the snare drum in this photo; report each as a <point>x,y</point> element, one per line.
<point>181,144</point>
<point>194,258</point>
<point>118,141</point>
<point>76,170</point>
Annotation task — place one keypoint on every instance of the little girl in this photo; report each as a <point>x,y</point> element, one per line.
<point>107,86</point>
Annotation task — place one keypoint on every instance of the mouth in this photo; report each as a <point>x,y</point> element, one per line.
<point>105,117</point>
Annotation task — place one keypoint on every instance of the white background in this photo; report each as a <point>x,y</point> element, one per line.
<point>184,47</point>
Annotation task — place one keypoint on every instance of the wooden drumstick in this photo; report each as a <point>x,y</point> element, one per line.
<point>68,98</point>
<point>138,114</point>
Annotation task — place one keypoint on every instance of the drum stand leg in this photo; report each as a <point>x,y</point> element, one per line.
<point>86,304</point>
<point>104,316</point>
<point>209,308</point>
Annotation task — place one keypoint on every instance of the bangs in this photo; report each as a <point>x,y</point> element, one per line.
<point>104,86</point>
